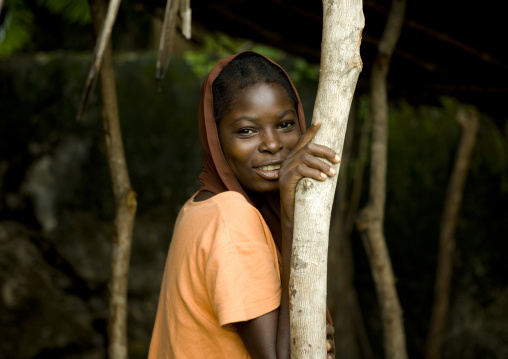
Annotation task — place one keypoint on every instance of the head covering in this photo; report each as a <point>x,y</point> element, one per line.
<point>216,176</point>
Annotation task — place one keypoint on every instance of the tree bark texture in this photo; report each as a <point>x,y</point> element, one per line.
<point>125,199</point>
<point>469,122</point>
<point>343,22</point>
<point>370,219</point>
<point>340,259</point>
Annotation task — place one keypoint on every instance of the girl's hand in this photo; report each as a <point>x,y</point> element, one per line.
<point>330,342</point>
<point>304,161</point>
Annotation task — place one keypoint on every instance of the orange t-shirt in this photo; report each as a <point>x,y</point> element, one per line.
<point>221,268</point>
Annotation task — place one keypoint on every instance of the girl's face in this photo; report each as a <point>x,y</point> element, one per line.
<point>257,133</point>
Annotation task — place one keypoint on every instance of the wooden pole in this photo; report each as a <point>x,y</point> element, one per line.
<point>469,122</point>
<point>125,199</point>
<point>343,22</point>
<point>370,219</point>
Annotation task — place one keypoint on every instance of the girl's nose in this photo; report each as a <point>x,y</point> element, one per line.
<point>270,142</point>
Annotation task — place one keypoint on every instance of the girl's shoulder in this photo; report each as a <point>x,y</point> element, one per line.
<point>227,199</point>
<point>230,208</point>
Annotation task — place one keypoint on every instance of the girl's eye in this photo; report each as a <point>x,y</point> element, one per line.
<point>286,124</point>
<point>245,131</point>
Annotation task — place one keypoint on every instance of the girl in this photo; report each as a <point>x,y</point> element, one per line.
<point>225,287</point>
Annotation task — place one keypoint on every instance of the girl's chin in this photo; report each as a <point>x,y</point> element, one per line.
<point>272,188</point>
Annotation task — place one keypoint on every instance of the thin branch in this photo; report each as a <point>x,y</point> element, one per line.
<point>371,218</point>
<point>469,121</point>
<point>100,46</point>
<point>167,38</point>
<point>125,200</point>
<point>186,15</point>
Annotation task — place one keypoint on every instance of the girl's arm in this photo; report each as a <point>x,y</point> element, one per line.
<point>267,336</point>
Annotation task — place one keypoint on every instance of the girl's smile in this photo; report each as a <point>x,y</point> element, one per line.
<point>257,133</point>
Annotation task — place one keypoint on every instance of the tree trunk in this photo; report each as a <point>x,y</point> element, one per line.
<point>125,199</point>
<point>469,122</point>
<point>370,220</point>
<point>343,22</point>
<point>341,260</point>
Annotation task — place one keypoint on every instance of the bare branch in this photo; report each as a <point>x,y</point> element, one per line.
<point>469,121</point>
<point>370,220</point>
<point>167,38</point>
<point>100,47</point>
<point>125,200</point>
<point>186,15</point>
<point>343,22</point>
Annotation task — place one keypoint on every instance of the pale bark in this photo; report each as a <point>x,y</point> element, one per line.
<point>168,34</point>
<point>167,40</point>
<point>370,219</point>
<point>125,199</point>
<point>469,122</point>
<point>102,43</point>
<point>341,260</point>
<point>343,22</point>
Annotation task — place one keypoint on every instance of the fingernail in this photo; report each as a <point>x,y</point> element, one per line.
<point>317,122</point>
<point>323,175</point>
<point>337,158</point>
<point>333,171</point>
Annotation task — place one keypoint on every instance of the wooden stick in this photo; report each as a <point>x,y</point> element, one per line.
<point>340,256</point>
<point>125,199</point>
<point>100,47</point>
<point>343,22</point>
<point>469,122</point>
<point>370,219</point>
<point>186,15</point>
<point>167,40</point>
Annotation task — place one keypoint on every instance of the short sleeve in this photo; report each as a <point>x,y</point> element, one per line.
<point>242,278</point>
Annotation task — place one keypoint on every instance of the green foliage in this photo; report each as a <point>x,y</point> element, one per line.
<point>73,11</point>
<point>15,31</point>
<point>16,28</point>
<point>217,46</point>
<point>302,69</point>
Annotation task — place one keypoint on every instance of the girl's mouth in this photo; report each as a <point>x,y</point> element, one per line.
<point>270,172</point>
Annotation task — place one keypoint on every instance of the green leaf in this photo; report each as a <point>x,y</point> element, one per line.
<point>16,28</point>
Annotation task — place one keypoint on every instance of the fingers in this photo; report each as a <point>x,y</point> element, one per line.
<point>330,344</point>
<point>323,152</point>
<point>330,330</point>
<point>308,135</point>
<point>313,167</point>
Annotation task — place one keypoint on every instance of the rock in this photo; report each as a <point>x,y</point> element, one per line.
<point>38,310</point>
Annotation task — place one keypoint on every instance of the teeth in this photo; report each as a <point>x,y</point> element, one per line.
<point>270,168</point>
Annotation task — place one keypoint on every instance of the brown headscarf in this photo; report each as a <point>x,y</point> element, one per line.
<point>217,176</point>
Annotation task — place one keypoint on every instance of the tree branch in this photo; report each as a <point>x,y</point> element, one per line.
<point>469,122</point>
<point>125,199</point>
<point>370,219</point>
<point>343,22</point>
